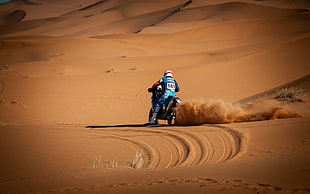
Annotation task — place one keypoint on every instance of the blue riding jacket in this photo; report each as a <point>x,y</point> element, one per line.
<point>170,86</point>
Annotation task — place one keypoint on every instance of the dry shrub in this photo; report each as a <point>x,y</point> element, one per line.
<point>290,94</point>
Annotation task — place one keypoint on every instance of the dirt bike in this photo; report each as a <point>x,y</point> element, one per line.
<point>167,112</point>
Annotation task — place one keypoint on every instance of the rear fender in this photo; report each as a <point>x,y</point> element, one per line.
<point>176,101</point>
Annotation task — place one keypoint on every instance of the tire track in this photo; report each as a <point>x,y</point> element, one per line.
<point>167,147</point>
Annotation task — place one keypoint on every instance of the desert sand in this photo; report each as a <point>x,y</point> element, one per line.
<point>74,103</point>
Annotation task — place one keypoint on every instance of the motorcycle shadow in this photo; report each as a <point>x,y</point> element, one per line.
<point>127,125</point>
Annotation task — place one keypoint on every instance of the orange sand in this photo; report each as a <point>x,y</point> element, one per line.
<point>74,101</point>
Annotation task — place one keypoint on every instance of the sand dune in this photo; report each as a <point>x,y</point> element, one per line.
<point>128,17</point>
<point>73,96</point>
<point>223,13</point>
<point>13,17</point>
<point>215,156</point>
<point>38,9</point>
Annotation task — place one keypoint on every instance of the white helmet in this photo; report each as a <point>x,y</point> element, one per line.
<point>168,73</point>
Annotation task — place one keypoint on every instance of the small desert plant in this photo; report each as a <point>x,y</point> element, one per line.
<point>137,161</point>
<point>112,164</point>
<point>290,94</point>
<point>96,163</point>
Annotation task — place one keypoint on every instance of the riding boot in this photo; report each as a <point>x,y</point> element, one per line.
<point>154,116</point>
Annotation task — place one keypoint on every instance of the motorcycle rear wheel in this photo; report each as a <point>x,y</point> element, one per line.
<point>171,120</point>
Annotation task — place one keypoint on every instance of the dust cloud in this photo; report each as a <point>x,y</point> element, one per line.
<point>217,111</point>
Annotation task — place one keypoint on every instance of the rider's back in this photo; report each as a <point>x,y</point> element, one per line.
<point>170,86</point>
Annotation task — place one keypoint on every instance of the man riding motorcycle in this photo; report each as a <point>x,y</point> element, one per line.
<point>166,87</point>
